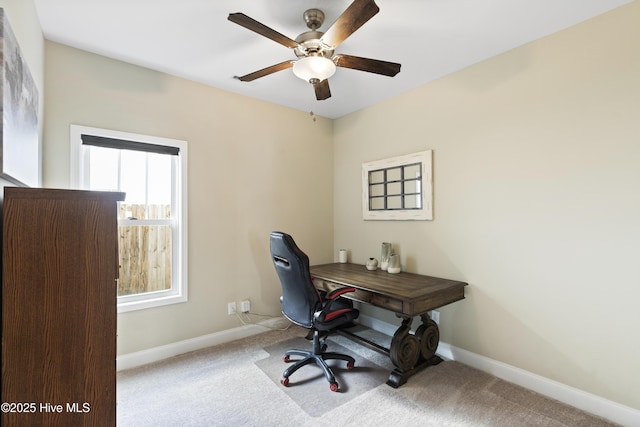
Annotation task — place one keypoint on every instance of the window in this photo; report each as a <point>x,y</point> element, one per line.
<point>151,220</point>
<point>398,188</point>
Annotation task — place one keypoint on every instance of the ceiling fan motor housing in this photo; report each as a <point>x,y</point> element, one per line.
<point>310,45</point>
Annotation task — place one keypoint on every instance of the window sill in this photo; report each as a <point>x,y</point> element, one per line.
<point>148,302</point>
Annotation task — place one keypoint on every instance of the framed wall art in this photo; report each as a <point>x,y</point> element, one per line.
<point>19,144</point>
<point>398,188</point>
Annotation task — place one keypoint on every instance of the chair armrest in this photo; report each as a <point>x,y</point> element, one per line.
<point>340,291</point>
<point>329,299</point>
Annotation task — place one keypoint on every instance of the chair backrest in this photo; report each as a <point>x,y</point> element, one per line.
<point>300,298</point>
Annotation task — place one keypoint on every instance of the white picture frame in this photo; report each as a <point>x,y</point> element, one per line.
<point>398,188</point>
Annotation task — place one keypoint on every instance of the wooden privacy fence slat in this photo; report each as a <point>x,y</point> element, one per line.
<point>145,251</point>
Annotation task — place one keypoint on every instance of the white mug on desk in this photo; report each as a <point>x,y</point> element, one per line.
<point>342,255</point>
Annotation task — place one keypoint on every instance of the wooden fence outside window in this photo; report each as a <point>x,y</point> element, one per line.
<point>145,250</point>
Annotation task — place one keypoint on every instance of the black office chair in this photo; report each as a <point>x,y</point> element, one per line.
<point>303,305</point>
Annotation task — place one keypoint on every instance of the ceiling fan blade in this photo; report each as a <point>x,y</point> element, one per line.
<point>322,90</point>
<point>266,71</point>
<point>365,64</point>
<point>359,12</point>
<point>253,25</point>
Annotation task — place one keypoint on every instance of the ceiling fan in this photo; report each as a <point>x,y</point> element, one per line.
<point>315,50</point>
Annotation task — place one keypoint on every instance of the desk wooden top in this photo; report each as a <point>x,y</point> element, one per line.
<point>405,293</point>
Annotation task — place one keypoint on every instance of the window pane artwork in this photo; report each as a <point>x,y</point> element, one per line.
<point>398,188</point>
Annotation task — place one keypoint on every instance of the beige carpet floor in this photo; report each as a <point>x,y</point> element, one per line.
<point>238,384</point>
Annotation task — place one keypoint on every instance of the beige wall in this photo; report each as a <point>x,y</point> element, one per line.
<point>253,167</point>
<point>26,26</point>
<point>536,177</point>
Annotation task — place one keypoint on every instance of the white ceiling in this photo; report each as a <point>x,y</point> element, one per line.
<point>194,40</point>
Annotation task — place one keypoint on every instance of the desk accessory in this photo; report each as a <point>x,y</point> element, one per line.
<point>394,264</point>
<point>384,255</point>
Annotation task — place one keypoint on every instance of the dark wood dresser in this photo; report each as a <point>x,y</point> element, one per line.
<point>59,271</point>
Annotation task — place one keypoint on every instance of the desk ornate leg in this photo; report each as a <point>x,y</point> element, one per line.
<point>429,336</point>
<point>413,352</point>
<point>405,347</point>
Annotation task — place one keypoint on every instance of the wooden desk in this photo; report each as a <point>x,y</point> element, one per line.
<point>406,294</point>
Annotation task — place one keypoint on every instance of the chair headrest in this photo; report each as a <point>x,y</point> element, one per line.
<point>283,247</point>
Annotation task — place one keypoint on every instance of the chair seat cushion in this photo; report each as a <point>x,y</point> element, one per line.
<point>337,318</point>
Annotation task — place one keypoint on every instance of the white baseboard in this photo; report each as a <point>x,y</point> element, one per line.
<point>139,358</point>
<point>580,399</point>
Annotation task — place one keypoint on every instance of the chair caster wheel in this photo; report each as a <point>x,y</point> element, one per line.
<point>333,386</point>
<point>350,365</point>
<point>284,381</point>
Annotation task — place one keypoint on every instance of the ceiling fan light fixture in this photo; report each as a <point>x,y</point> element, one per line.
<point>311,68</point>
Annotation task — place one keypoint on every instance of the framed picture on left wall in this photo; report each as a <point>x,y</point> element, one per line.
<point>19,145</point>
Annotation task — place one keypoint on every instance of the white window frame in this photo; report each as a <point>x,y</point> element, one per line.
<point>425,207</point>
<point>79,163</point>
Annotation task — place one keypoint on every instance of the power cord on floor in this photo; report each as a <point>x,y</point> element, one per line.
<point>246,319</point>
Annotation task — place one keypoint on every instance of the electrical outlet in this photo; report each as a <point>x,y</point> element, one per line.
<point>231,308</point>
<point>245,306</point>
